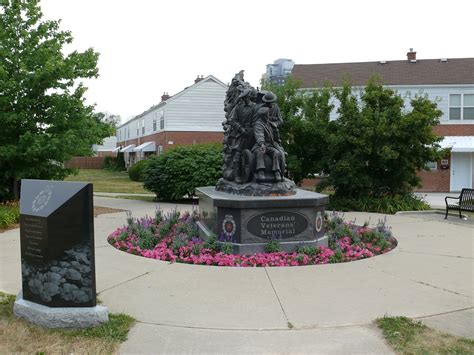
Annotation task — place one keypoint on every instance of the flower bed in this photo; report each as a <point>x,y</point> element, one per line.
<point>175,238</point>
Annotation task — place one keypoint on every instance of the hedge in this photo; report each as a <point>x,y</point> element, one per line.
<point>177,173</point>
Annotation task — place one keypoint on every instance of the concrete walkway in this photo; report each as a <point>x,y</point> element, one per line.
<point>436,199</point>
<point>184,308</point>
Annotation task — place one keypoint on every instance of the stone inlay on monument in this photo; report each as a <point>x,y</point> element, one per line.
<point>57,254</point>
<point>254,202</point>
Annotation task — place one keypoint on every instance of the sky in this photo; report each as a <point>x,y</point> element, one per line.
<point>148,47</point>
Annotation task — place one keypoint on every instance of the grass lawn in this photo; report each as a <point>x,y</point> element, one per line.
<point>9,215</point>
<point>109,181</point>
<point>407,336</point>
<point>19,336</point>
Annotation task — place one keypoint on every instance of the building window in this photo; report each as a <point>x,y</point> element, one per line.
<point>162,122</point>
<point>432,165</point>
<point>160,149</point>
<point>138,128</point>
<point>143,126</point>
<point>154,124</point>
<point>461,107</point>
<point>128,132</point>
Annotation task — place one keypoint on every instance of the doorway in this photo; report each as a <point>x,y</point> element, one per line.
<point>461,171</point>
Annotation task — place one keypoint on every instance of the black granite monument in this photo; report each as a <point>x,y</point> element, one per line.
<point>57,243</point>
<point>254,202</point>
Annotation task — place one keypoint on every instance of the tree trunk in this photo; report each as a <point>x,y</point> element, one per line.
<point>16,189</point>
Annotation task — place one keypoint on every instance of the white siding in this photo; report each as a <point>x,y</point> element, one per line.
<point>108,143</point>
<point>198,108</point>
<point>439,94</point>
<point>201,108</point>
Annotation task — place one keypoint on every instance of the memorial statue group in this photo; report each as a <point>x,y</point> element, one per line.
<point>252,144</point>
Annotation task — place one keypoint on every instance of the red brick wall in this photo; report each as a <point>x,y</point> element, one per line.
<point>455,129</point>
<point>439,180</point>
<point>85,162</point>
<point>310,184</point>
<point>106,154</point>
<point>434,181</point>
<point>127,142</point>
<point>188,138</point>
<point>178,138</point>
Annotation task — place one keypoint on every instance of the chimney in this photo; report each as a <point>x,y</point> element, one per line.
<point>198,79</point>
<point>165,96</point>
<point>411,56</point>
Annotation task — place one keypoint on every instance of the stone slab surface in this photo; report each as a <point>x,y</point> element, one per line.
<point>71,317</point>
<point>200,296</point>
<point>355,294</point>
<point>431,270</point>
<point>10,261</point>
<point>154,339</point>
<point>428,274</point>
<point>457,323</point>
<point>302,198</point>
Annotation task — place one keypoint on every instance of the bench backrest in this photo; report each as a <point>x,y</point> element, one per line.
<point>467,197</point>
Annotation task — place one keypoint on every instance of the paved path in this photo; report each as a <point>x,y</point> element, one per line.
<point>436,199</point>
<point>312,309</point>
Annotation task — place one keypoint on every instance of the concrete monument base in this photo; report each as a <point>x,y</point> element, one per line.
<point>250,222</point>
<point>60,317</point>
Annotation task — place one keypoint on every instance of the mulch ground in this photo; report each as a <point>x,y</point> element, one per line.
<point>103,210</point>
<point>11,227</point>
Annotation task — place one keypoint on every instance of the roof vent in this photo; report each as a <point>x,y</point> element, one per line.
<point>383,62</point>
<point>443,60</point>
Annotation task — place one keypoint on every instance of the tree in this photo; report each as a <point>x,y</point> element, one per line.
<point>110,118</point>
<point>376,146</point>
<point>44,118</point>
<point>305,121</point>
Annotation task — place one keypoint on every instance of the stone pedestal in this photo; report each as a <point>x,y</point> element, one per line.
<point>249,222</point>
<point>60,317</point>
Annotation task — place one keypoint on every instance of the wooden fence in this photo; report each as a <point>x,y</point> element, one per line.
<point>85,162</point>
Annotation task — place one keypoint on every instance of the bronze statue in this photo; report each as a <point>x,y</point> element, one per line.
<point>254,159</point>
<point>266,137</point>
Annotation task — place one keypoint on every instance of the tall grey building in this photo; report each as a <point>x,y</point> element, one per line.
<point>278,71</point>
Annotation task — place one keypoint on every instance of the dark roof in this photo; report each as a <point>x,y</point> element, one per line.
<point>398,72</point>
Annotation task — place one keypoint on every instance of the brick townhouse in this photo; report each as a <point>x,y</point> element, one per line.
<point>191,116</point>
<point>448,82</point>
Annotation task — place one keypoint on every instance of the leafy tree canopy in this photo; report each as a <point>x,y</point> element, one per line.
<point>44,118</point>
<point>375,146</point>
<point>304,130</point>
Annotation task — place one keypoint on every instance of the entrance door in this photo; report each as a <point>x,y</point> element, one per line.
<point>460,171</point>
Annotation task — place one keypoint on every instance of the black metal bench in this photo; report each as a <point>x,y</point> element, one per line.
<point>465,202</point>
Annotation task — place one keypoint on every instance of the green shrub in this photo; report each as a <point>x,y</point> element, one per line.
<point>383,204</point>
<point>178,172</point>
<point>227,248</point>
<point>9,214</point>
<point>273,246</point>
<point>109,163</point>
<point>211,243</point>
<point>308,250</point>
<point>137,170</point>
